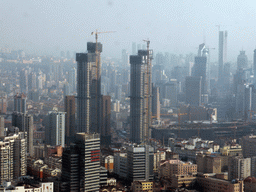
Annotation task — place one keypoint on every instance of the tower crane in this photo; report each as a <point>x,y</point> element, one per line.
<point>96,33</point>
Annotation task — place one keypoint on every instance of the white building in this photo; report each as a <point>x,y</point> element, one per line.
<point>55,130</point>
<point>42,187</point>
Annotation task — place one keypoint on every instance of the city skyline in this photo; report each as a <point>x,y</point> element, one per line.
<point>171,26</point>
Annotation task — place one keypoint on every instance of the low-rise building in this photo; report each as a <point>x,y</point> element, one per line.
<point>211,184</point>
<point>120,164</point>
<point>41,187</point>
<point>208,163</point>
<point>169,168</point>
<point>250,184</point>
<point>138,186</point>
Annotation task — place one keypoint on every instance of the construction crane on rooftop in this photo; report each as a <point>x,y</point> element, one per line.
<point>96,33</point>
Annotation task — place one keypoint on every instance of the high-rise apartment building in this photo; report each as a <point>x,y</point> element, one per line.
<point>193,90</point>
<point>20,103</point>
<point>81,164</point>
<point>248,145</point>
<point>242,60</point>
<point>239,167</point>
<point>13,158</point>
<point>140,161</point>
<point>70,118</point>
<point>89,89</point>
<point>140,95</point>
<point>25,123</point>
<point>55,130</point>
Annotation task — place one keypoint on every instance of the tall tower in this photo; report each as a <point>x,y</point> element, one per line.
<point>89,89</point>
<point>106,116</point>
<point>199,70</point>
<point>140,99</point>
<point>24,81</point>
<point>70,119</point>
<point>193,90</point>
<point>222,54</point>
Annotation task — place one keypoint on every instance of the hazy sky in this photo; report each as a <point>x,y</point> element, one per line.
<point>176,26</point>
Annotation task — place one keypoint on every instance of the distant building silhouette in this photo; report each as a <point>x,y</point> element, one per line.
<point>242,60</point>
<point>193,90</point>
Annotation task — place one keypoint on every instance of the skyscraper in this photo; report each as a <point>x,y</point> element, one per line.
<point>199,70</point>
<point>20,103</point>
<point>55,131</point>
<point>222,54</point>
<point>24,81</point>
<point>13,159</point>
<point>193,90</point>
<point>70,118</point>
<point>140,99</point>
<point>89,89</point>
<point>106,115</point>
<point>242,60</point>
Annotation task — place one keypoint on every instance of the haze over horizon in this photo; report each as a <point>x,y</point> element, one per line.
<point>48,27</point>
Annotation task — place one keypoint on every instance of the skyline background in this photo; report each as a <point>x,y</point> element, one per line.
<point>48,27</point>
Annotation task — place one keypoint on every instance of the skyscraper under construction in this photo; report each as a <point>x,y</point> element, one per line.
<point>89,89</point>
<point>140,98</point>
